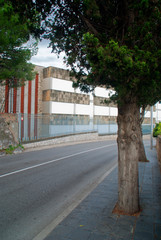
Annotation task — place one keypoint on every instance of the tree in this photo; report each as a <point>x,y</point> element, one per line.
<point>115,44</point>
<point>14,55</point>
<point>142,155</point>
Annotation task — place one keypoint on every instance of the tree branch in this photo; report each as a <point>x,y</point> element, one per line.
<point>142,113</point>
<point>89,25</point>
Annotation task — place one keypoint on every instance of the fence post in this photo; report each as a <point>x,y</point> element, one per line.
<point>19,126</point>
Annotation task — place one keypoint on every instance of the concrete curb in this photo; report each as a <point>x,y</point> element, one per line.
<point>70,139</point>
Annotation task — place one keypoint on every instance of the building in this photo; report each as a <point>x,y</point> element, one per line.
<point>158,112</point>
<point>60,98</point>
<point>52,97</point>
<point>26,99</point>
<point>51,92</point>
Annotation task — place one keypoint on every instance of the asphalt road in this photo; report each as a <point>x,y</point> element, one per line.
<point>37,187</point>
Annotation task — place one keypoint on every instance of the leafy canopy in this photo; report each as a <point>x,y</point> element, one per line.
<point>112,43</point>
<point>14,55</point>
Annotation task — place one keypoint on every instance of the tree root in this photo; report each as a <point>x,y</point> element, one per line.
<point>118,211</point>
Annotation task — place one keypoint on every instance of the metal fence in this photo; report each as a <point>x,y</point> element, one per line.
<point>39,126</point>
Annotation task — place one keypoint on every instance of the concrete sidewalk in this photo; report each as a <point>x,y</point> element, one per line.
<point>93,218</point>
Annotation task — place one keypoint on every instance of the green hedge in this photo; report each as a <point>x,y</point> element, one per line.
<point>157,130</point>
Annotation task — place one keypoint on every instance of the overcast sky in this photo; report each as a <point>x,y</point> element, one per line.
<point>45,58</point>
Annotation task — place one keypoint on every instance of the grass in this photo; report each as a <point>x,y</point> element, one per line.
<point>11,148</point>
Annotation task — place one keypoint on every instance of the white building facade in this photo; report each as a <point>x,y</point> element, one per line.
<point>60,98</point>
<point>158,112</point>
<point>52,92</point>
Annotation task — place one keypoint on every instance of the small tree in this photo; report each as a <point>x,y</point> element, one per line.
<point>14,56</point>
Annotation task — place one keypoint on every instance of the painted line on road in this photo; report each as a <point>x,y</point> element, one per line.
<point>54,160</point>
<point>48,229</point>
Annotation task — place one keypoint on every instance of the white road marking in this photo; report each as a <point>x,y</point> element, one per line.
<point>54,160</point>
<point>48,229</point>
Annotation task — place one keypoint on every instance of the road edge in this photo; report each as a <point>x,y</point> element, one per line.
<point>48,229</point>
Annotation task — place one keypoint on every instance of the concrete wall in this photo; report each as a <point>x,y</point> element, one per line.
<point>75,138</point>
<point>67,97</point>
<point>59,96</point>
<point>56,73</point>
<point>158,146</point>
<point>8,130</point>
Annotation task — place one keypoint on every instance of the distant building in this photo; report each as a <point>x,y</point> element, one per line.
<point>158,112</point>
<point>60,98</point>
<point>25,99</point>
<point>51,92</point>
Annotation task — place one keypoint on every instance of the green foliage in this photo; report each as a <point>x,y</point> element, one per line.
<point>14,55</point>
<point>157,130</point>
<point>127,70</point>
<point>11,148</point>
<point>111,43</point>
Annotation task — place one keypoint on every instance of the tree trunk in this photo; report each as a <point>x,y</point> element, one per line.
<point>128,156</point>
<point>142,155</point>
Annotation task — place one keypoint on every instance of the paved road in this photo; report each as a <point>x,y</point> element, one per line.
<point>36,187</point>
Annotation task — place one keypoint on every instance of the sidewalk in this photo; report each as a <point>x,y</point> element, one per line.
<point>93,218</point>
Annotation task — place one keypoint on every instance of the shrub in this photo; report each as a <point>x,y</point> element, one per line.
<point>157,130</point>
<point>11,148</point>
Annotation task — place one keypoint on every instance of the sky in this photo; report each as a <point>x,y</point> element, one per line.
<point>45,58</point>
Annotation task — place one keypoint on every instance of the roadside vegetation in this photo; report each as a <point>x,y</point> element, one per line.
<point>157,130</point>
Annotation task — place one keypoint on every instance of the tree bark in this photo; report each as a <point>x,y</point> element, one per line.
<point>128,156</point>
<point>142,155</point>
